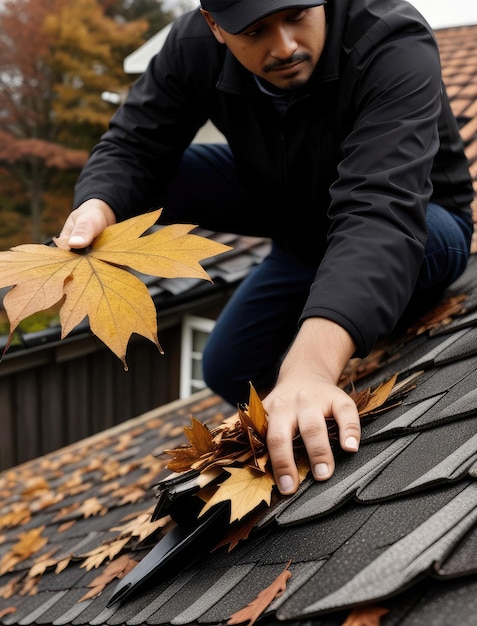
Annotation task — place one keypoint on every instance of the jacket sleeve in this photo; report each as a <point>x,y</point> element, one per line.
<point>378,202</point>
<point>140,151</point>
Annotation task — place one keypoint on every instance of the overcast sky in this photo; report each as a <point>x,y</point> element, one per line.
<point>443,13</point>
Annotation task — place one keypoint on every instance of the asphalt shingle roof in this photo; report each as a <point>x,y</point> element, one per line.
<point>395,528</point>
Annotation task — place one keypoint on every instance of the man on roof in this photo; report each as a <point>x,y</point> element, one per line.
<point>340,147</point>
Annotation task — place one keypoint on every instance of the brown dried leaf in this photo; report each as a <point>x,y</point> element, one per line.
<point>62,565</point>
<point>132,495</point>
<point>28,544</point>
<point>42,564</point>
<point>141,527</point>
<point>239,532</point>
<point>369,400</point>
<point>235,440</point>
<point>91,507</point>
<point>252,611</point>
<point>45,500</point>
<point>11,588</point>
<point>365,616</point>
<point>199,437</point>
<point>96,557</point>
<point>116,569</point>
<point>30,586</point>
<point>254,415</point>
<point>15,517</point>
<point>66,526</point>
<point>440,315</point>
<point>35,486</point>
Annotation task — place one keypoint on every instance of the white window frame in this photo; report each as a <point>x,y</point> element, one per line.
<point>191,324</point>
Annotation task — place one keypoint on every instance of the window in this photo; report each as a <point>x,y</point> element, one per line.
<point>195,331</point>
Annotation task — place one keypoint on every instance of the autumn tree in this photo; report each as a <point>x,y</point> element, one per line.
<point>152,11</point>
<point>56,59</point>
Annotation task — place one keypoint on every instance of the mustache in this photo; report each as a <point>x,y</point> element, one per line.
<point>298,57</point>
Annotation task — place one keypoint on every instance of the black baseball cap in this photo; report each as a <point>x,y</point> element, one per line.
<point>235,16</point>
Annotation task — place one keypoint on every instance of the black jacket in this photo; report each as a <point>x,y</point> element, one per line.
<point>342,180</point>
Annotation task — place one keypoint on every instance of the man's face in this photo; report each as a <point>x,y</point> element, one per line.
<point>282,49</point>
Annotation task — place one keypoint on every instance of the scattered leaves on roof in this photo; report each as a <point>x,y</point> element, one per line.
<point>46,486</point>
<point>97,282</point>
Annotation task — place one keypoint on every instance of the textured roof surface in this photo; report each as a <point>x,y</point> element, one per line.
<point>394,529</point>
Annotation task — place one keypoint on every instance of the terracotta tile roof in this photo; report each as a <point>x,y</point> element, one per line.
<point>394,531</point>
<point>459,69</point>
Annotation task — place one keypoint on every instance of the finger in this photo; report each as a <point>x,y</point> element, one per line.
<point>79,239</point>
<point>349,424</point>
<point>75,234</point>
<point>280,432</point>
<point>82,233</point>
<point>314,432</point>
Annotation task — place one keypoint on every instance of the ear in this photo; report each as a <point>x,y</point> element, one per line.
<point>214,27</point>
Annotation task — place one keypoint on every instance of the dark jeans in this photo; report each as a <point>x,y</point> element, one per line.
<point>259,322</point>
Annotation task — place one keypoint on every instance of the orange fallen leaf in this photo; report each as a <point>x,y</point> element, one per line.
<point>35,486</point>
<point>140,527</point>
<point>19,514</point>
<point>365,616</point>
<point>252,611</point>
<point>255,415</point>
<point>132,495</point>
<point>62,565</point>
<point>97,556</point>
<point>116,569</point>
<point>30,586</point>
<point>91,507</point>
<point>11,588</point>
<point>239,532</point>
<point>97,283</point>
<point>28,544</point>
<point>375,398</point>
<point>43,563</point>
<point>66,526</point>
<point>199,437</point>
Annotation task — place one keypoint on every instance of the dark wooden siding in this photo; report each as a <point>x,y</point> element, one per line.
<point>56,394</point>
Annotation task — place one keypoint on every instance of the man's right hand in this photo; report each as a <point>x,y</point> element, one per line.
<point>85,223</point>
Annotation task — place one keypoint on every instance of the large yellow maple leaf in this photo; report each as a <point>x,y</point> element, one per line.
<point>97,283</point>
<point>246,489</point>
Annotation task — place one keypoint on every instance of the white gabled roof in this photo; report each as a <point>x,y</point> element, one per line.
<point>137,61</point>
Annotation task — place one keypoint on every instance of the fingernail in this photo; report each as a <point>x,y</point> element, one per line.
<point>286,484</point>
<point>76,240</point>
<point>321,470</point>
<point>351,443</point>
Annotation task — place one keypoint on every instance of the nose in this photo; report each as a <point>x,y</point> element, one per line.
<point>284,44</point>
